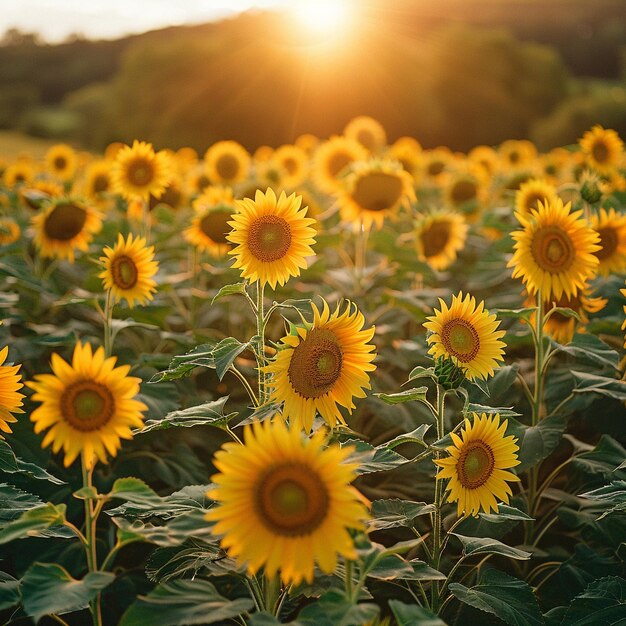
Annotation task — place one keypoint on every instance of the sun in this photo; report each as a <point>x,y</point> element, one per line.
<point>320,18</point>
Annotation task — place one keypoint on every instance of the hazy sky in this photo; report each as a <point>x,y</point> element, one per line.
<point>56,19</point>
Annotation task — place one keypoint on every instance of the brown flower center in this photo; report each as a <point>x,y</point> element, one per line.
<point>435,238</point>
<point>124,272</point>
<point>377,191</point>
<point>140,172</point>
<point>269,238</point>
<point>600,151</point>
<point>463,191</point>
<point>101,183</point>
<point>475,465</point>
<point>460,340</point>
<point>552,249</point>
<point>435,168</point>
<point>202,182</point>
<point>227,166</point>
<point>65,221</point>
<point>316,364</point>
<point>215,225</point>
<point>60,163</point>
<point>291,500</point>
<point>514,157</point>
<point>337,162</point>
<point>87,405</point>
<point>609,242</point>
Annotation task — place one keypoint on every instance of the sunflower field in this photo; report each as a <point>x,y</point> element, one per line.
<point>341,382</point>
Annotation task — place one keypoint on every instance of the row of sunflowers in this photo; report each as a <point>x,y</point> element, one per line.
<point>343,381</point>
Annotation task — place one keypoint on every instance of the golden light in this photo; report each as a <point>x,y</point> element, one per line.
<point>321,18</point>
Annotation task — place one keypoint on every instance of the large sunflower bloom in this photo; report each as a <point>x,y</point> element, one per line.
<point>273,237</point>
<point>468,334</point>
<point>88,405</point>
<point>323,366</point>
<point>602,147</point>
<point>285,502</point>
<point>555,250</point>
<point>611,226</point>
<point>10,399</point>
<point>477,465</point>
<point>128,270</point>
<point>439,237</point>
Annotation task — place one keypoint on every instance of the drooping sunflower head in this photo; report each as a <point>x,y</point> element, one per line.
<point>468,334</point>
<point>532,192</point>
<point>555,250</point>
<point>64,226</point>
<point>272,237</point>
<point>61,161</point>
<point>10,231</point>
<point>129,268</point>
<point>294,161</point>
<point>439,237</point>
<point>332,159</point>
<point>477,465</point>
<point>602,147</point>
<point>367,131</point>
<point>10,398</point>
<point>227,162</point>
<point>98,181</point>
<point>323,366</point>
<point>285,503</point>
<point>611,227</point>
<point>372,191</point>
<point>138,171</point>
<point>88,405</point>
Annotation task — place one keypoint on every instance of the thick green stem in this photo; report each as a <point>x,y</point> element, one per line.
<point>260,331</point>
<point>108,324</point>
<point>90,537</point>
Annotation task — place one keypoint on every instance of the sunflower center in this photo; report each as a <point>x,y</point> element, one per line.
<point>124,272</point>
<point>65,221</point>
<point>140,172</point>
<point>227,166</point>
<point>460,339</point>
<point>291,165</point>
<point>463,191</point>
<point>377,191</point>
<point>435,168</point>
<point>215,225</point>
<point>337,162</point>
<point>514,157</point>
<point>101,183</point>
<point>475,464</point>
<point>87,405</point>
<point>202,182</point>
<point>59,163</point>
<point>269,238</point>
<point>435,238</point>
<point>291,500</point>
<point>600,152</point>
<point>316,364</point>
<point>609,243</point>
<point>552,249</point>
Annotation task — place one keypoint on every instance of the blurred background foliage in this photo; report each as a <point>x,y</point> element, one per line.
<point>449,73</point>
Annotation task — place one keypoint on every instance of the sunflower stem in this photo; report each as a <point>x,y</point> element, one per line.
<point>260,331</point>
<point>108,324</point>
<point>272,593</point>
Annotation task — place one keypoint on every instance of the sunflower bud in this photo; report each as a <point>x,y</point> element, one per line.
<point>449,374</point>
<point>590,187</point>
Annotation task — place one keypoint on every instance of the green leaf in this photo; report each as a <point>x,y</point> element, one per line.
<point>225,353</point>
<point>418,394</point>
<point>422,372</point>
<point>9,591</point>
<point>487,545</point>
<point>390,567</point>
<point>603,602</point>
<point>333,609</point>
<point>524,313</point>
<point>10,464</point>
<point>415,436</point>
<point>184,602</point>
<point>504,411</point>
<point>14,501</point>
<point>612,496</point>
<point>603,460</point>
<point>372,459</point>
<point>229,290</point>
<point>505,513</point>
<point>134,490</point>
<point>86,493</point>
<point>590,349</point>
<point>413,615</point>
<point>48,588</point>
<point>394,513</point>
<point>508,598</point>
<point>600,385</point>
<point>32,522</point>
<point>184,561</point>
<point>536,442</point>
<point>207,414</point>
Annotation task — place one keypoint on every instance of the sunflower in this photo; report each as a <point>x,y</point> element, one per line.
<point>517,153</point>
<point>407,151</point>
<point>98,179</point>
<point>128,270</point>
<point>466,192</point>
<point>138,171</point>
<point>323,366</point>
<point>555,250</point>
<point>611,226</point>
<point>214,210</point>
<point>10,399</point>
<point>294,161</point>
<point>227,162</point>
<point>89,405</point>
<point>372,191</point>
<point>65,226</point>
<point>468,334</point>
<point>20,172</point>
<point>36,193</point>
<point>367,131</point>
<point>436,162</point>
<point>197,181</point>
<point>112,150</point>
<point>332,159</point>
<point>603,148</point>
<point>484,157</point>
<point>477,465</point>
<point>9,231</point>
<point>273,237</point>
<point>533,191</point>
<point>307,142</point>
<point>61,161</point>
<point>172,196</point>
<point>439,237</point>
<point>285,502</point>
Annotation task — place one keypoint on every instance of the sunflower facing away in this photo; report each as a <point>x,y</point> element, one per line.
<point>208,230</point>
<point>285,502</point>
<point>273,237</point>
<point>65,226</point>
<point>88,405</point>
<point>331,160</point>
<point>532,192</point>
<point>468,334</point>
<point>611,226</point>
<point>439,237</point>
<point>477,465</point>
<point>555,250</point>
<point>10,399</point>
<point>138,171</point>
<point>323,366</point>
<point>61,161</point>
<point>128,270</point>
<point>227,162</point>
<point>602,147</point>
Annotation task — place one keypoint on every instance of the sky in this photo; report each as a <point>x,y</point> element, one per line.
<point>109,19</point>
